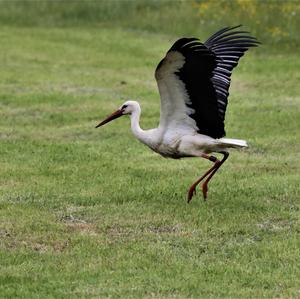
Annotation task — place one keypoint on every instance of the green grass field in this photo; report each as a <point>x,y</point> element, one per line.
<point>88,213</point>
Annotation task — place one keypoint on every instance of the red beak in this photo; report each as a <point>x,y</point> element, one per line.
<point>114,115</point>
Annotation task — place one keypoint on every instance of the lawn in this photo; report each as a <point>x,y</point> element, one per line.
<point>93,213</point>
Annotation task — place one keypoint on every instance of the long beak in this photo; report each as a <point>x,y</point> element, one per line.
<point>114,115</point>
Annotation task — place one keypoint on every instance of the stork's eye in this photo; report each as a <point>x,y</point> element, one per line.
<point>124,107</point>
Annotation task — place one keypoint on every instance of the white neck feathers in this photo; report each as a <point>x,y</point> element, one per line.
<point>145,136</point>
<point>135,123</point>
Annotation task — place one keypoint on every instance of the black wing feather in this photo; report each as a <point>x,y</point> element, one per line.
<point>229,46</point>
<point>195,74</point>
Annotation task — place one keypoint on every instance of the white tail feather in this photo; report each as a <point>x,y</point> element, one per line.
<point>233,142</point>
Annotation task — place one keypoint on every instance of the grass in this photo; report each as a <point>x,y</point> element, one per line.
<point>91,213</point>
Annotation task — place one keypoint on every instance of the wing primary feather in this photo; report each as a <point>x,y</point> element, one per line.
<point>229,46</point>
<point>221,31</point>
<point>231,37</point>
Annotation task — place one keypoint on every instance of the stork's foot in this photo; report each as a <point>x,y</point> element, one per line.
<point>204,190</point>
<point>191,193</point>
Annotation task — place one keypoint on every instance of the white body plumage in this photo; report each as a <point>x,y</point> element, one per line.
<point>177,139</point>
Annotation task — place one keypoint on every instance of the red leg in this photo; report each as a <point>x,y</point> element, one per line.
<point>192,190</point>
<point>204,186</point>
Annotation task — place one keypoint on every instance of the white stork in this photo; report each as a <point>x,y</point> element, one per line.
<point>193,81</point>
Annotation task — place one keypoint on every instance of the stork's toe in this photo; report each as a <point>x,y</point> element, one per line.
<point>204,191</point>
<point>191,193</point>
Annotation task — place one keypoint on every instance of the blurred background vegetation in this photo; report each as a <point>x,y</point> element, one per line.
<point>275,23</point>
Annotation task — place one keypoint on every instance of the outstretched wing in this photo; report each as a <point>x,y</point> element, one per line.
<point>194,78</point>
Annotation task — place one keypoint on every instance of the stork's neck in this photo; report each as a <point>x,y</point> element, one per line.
<point>144,136</point>
<point>135,123</point>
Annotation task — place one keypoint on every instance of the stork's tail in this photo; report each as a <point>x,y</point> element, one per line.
<point>236,143</point>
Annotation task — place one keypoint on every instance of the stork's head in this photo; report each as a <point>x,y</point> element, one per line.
<point>128,107</point>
